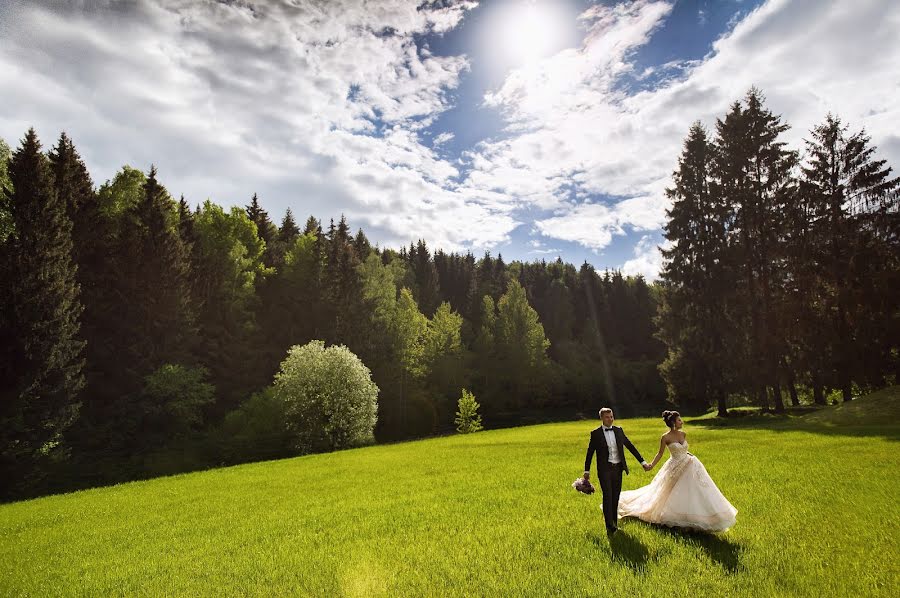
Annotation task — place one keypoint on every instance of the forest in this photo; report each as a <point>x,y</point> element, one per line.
<point>141,334</point>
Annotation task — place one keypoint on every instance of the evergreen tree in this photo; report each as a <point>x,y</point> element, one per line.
<point>186,226</point>
<point>5,191</point>
<point>361,246</point>
<point>693,321</point>
<point>159,318</point>
<point>284,238</point>
<point>265,229</point>
<point>428,292</point>
<point>849,195</point>
<point>754,172</point>
<point>41,363</point>
<point>288,231</point>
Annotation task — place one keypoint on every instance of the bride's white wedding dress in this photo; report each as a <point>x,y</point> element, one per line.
<point>680,495</point>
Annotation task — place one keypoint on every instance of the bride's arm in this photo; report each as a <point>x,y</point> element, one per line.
<point>659,454</point>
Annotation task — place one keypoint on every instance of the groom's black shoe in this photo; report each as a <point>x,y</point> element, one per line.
<point>611,530</point>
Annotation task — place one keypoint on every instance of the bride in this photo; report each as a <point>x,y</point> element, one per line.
<point>682,494</point>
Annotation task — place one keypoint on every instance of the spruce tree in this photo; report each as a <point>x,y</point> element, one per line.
<point>161,316</point>
<point>428,293</point>
<point>754,175</point>
<point>265,229</point>
<point>850,195</point>
<point>693,321</point>
<point>41,373</point>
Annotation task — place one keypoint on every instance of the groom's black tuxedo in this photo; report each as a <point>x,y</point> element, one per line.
<point>609,475</point>
<point>598,444</point>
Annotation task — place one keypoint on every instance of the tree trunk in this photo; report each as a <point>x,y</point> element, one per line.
<point>721,403</point>
<point>792,386</point>
<point>762,397</point>
<point>818,391</point>
<point>776,396</point>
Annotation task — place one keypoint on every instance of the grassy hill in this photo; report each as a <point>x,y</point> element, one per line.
<point>486,514</point>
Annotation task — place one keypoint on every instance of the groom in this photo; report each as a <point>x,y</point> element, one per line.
<point>607,441</point>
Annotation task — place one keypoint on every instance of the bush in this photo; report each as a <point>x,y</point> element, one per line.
<point>329,397</point>
<point>255,431</point>
<point>467,418</point>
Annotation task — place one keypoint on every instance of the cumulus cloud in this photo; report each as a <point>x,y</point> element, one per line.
<point>317,105</point>
<point>600,157</point>
<point>647,260</point>
<point>326,107</point>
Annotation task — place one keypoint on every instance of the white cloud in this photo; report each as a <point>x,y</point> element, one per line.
<point>316,105</point>
<point>442,138</point>
<point>576,134</point>
<point>647,260</point>
<point>323,106</point>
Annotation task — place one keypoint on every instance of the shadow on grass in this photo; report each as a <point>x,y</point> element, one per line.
<point>876,414</point>
<point>789,423</point>
<point>719,549</point>
<point>624,549</point>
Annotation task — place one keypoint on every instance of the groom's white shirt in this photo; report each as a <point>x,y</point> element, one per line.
<point>610,436</point>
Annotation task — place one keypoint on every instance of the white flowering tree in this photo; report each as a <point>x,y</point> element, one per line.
<point>330,399</point>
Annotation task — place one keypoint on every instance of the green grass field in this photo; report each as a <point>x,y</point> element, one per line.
<point>488,514</point>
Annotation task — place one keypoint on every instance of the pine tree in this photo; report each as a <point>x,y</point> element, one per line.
<point>693,321</point>
<point>361,246</point>
<point>288,231</point>
<point>428,292</point>
<point>186,230</point>
<point>41,363</point>
<point>754,174</point>
<point>265,229</point>
<point>849,195</point>
<point>161,319</point>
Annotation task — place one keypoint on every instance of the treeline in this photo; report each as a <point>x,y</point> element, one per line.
<point>784,267</point>
<point>140,335</point>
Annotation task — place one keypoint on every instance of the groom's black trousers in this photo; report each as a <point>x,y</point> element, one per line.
<point>610,478</point>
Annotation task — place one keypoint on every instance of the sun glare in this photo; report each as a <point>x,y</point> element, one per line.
<point>530,32</point>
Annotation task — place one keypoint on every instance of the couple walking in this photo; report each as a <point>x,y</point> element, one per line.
<point>681,495</point>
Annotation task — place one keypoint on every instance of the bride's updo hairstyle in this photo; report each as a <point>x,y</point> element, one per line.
<point>669,417</point>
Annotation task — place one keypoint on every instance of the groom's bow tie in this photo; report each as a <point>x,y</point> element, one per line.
<point>605,429</point>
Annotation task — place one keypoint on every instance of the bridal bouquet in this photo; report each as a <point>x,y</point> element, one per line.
<point>583,485</point>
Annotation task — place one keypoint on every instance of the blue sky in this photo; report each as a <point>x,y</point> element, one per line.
<point>530,128</point>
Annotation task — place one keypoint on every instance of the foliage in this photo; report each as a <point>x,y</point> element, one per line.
<point>255,431</point>
<point>6,225</point>
<point>780,273</point>
<point>330,399</point>
<point>123,193</point>
<point>467,418</point>
<point>174,397</point>
<point>41,354</point>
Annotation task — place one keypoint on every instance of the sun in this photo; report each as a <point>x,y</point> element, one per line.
<point>529,32</point>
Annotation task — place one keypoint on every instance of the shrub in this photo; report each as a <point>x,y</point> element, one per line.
<point>329,397</point>
<point>467,418</point>
<point>255,431</point>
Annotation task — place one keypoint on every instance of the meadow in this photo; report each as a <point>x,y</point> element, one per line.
<point>486,514</point>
